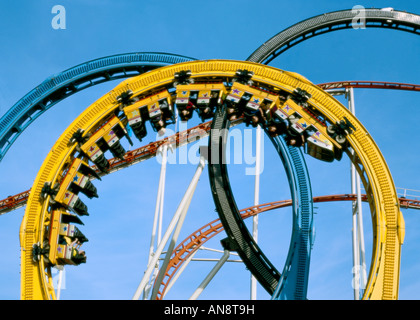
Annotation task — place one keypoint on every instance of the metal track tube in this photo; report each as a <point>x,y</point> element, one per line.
<point>157,220</point>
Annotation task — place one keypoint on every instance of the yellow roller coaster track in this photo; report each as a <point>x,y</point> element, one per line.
<point>387,220</point>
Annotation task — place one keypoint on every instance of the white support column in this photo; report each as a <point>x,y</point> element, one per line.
<point>256,202</point>
<point>356,263</point>
<point>159,199</point>
<point>210,276</point>
<point>158,217</point>
<point>175,219</point>
<point>361,237</point>
<point>162,186</point>
<point>359,260</point>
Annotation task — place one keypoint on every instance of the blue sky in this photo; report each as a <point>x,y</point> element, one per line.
<point>120,223</point>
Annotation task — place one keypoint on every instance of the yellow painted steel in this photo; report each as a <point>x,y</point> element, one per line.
<point>387,220</point>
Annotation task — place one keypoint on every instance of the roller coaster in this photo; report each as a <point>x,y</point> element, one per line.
<point>298,117</point>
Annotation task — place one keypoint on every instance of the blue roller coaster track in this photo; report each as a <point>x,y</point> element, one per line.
<point>293,284</point>
<point>62,85</point>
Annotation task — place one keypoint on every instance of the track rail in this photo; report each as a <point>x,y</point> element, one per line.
<point>369,85</point>
<point>19,200</point>
<point>334,21</point>
<point>64,84</point>
<point>293,282</point>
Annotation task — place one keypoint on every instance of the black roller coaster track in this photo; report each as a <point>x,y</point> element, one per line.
<point>334,21</point>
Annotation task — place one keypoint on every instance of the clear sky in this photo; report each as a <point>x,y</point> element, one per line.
<point>120,223</point>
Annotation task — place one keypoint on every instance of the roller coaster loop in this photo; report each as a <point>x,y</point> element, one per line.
<point>388,223</point>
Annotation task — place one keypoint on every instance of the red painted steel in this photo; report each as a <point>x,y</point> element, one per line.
<point>369,85</point>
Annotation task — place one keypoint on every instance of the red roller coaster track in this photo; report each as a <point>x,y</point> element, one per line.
<point>369,85</point>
